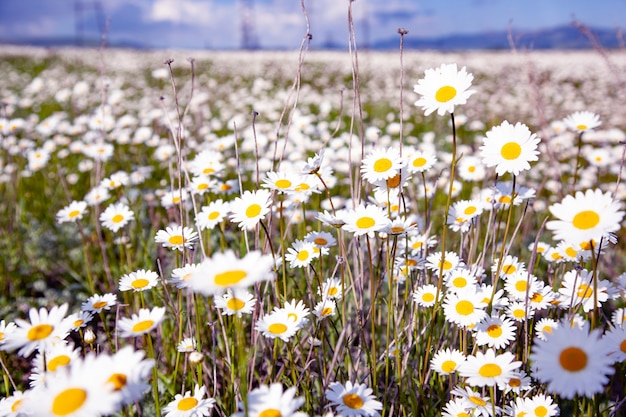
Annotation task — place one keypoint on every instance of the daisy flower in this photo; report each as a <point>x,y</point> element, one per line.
<point>5,330</point>
<point>509,148</point>
<point>471,169</point>
<point>581,121</point>
<point>541,405</point>
<point>224,270</point>
<point>465,308</point>
<point>272,400</point>
<point>325,308</point>
<point>521,285</point>
<point>460,279</point>
<point>43,330</point>
<point>187,345</point>
<point>181,275</point>
<point>436,261</point>
<point>301,253</point>
<point>277,324</point>
<point>237,302</point>
<point>456,407</point>
<point>176,237</point>
<point>80,391</point>
<point>13,405</point>
<point>96,303</point>
<point>140,280</point>
<point>545,327</point>
<point>425,295</point>
<point>519,381</point>
<point>296,311</point>
<point>201,184</point>
<point>283,182</point>
<point>475,401</point>
<point>207,162</point>
<point>173,197</point>
<point>97,195</point>
<point>140,323</point>
<point>80,319</point>
<point>353,400</point>
<point>577,289</point>
<point>72,213</point>
<point>443,88</point>
<point>586,216</point>
<point>520,311</point>
<point>615,339</point>
<point>126,372</point>
<point>331,288</point>
<point>116,180</point>
<point>511,265</point>
<point>314,163</point>
<point>488,369</point>
<point>447,361</point>
<point>364,219</point>
<point>190,405</point>
<point>421,161</point>
<point>334,220</point>
<point>116,216</point>
<point>250,208</point>
<point>381,164</point>
<point>572,361</point>
<point>495,331</point>
<point>209,216</point>
<point>321,239</point>
<point>55,357</point>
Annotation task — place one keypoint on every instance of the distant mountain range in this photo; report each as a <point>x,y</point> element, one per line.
<point>561,37</point>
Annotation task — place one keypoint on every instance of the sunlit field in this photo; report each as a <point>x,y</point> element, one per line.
<point>281,234</point>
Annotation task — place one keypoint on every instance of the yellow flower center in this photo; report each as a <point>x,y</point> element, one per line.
<point>282,183</point>
<point>142,326</point>
<point>445,94</point>
<point>140,283</point>
<point>509,269</point>
<point>270,412</point>
<point>326,311</point>
<point>478,401</point>
<point>586,219</point>
<point>253,210</point>
<point>73,214</point>
<point>207,171</point>
<point>471,168</point>
<point>277,328</point>
<point>394,181</point>
<point>495,331</point>
<point>515,382</point>
<point>446,265</point>
<point>203,186</point>
<point>541,411</point>
<point>235,304</point>
<point>117,218</point>
<point>382,165</point>
<point>176,240</point>
<point>505,199</point>
<point>459,282</point>
<point>521,285</point>
<point>448,366</point>
<point>511,150</point>
<point>490,370</point>
<point>58,362</point>
<point>428,297</point>
<point>16,406</point>
<point>519,313</point>
<point>353,401</point>
<point>571,252</point>
<point>365,222</point>
<point>547,329</point>
<point>187,404</point>
<point>332,291</point>
<point>320,241</point>
<point>584,291</point>
<point>464,308</point>
<point>419,162</point>
<point>581,127</point>
<point>118,381</point>
<point>99,304</point>
<point>622,346</point>
<point>573,359</point>
<point>229,278</point>
<point>537,297</point>
<point>469,210</point>
<point>214,215</point>
<point>39,331</point>
<point>68,401</point>
<point>303,255</point>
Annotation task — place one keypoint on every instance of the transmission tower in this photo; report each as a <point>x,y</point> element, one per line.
<point>249,39</point>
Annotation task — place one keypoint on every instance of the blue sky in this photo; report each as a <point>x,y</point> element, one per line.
<point>280,23</point>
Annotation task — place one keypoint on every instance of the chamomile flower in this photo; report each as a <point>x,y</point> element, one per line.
<point>471,168</point>
<point>578,289</point>
<point>250,208</point>
<point>181,275</point>
<point>141,323</point>
<point>465,308</point>
<point>296,311</point>
<point>381,164</point>
<point>176,237</point>
<point>572,361</point>
<point>188,405</point>
<point>447,361</point>
<point>521,285</point>
<point>353,400</point>
<point>460,279</point>
<point>581,121</point>
<point>53,358</point>
<point>541,405</point>
<point>448,263</point>
<point>331,288</point>
<point>272,400</point>
<point>5,331</point>
<point>277,324</point>
<point>364,219</point>
<point>207,162</point>
<point>456,407</point>
<point>13,405</point>
<point>545,327</point>
<point>615,339</point>
<point>425,295</point>
<point>520,311</point>
<point>226,271</point>
<point>511,265</point>
<point>140,280</point>
<point>97,195</point>
<point>509,148</point>
<point>489,369</point>
<point>127,372</point>
<point>187,345</point>
<point>334,220</point>
<point>283,182</point>
<point>96,303</point>
<point>519,381</point>
<point>325,308</point>
<point>321,239</point>
<point>301,253</point>
<point>443,88</point>
<point>73,212</point>
<point>116,216</point>
<point>202,184</point>
<point>44,329</point>
<point>586,216</point>
<point>421,161</point>
<point>495,331</point>
<point>235,302</point>
<point>213,214</point>
<point>475,401</point>
<point>314,163</point>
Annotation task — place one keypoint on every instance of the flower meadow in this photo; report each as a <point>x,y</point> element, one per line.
<point>277,234</point>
